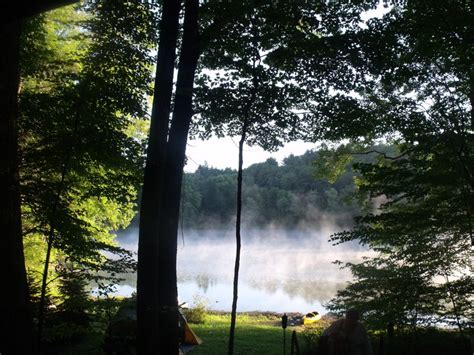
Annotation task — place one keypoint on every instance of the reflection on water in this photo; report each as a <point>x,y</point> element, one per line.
<point>280,272</point>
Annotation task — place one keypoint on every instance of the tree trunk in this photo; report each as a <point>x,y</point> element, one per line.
<point>44,285</point>
<point>52,222</point>
<point>150,211</point>
<point>157,303</point>
<point>245,125</point>
<point>238,241</point>
<point>16,327</point>
<point>471,97</point>
<point>175,157</point>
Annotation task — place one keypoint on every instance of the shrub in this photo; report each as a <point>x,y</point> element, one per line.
<point>197,313</point>
<point>311,335</point>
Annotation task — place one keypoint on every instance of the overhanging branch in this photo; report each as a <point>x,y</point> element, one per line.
<point>17,10</point>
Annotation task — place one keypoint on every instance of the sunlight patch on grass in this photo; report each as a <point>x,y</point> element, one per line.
<point>254,334</point>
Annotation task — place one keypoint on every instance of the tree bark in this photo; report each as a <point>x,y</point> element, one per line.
<point>471,97</point>
<point>175,158</point>
<point>150,211</point>
<point>16,327</point>
<point>238,241</point>
<point>245,124</point>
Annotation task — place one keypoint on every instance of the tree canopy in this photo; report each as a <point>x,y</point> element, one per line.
<point>82,98</point>
<point>420,92</point>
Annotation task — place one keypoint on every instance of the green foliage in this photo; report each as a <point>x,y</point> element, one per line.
<point>238,89</point>
<point>283,195</point>
<point>422,340</point>
<point>422,231</point>
<point>85,79</point>
<point>423,244</point>
<point>80,163</point>
<point>330,165</point>
<point>75,303</point>
<point>197,313</point>
<point>103,310</point>
<point>295,70</point>
<point>311,336</point>
<point>71,320</point>
<point>426,341</point>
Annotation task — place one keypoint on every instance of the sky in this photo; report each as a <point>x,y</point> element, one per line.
<point>223,153</point>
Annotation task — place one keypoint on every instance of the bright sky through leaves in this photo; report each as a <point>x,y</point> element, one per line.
<point>223,152</point>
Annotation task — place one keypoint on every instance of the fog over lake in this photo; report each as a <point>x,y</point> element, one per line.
<point>281,270</point>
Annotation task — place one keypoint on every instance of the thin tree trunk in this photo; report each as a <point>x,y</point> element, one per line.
<point>44,284</point>
<point>466,196</point>
<point>150,210</point>
<point>16,327</point>
<point>471,97</point>
<point>455,306</point>
<point>50,241</point>
<point>245,124</point>
<point>469,173</point>
<point>238,241</point>
<point>52,220</point>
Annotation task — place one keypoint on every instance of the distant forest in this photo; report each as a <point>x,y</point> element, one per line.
<point>286,195</point>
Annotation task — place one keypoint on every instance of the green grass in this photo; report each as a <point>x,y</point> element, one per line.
<point>262,334</point>
<point>254,334</point>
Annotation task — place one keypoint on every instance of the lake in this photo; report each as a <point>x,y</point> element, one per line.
<point>281,270</point>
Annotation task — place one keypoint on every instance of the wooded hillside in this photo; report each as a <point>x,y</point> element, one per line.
<point>284,194</point>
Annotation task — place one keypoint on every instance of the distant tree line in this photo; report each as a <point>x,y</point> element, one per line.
<point>285,195</point>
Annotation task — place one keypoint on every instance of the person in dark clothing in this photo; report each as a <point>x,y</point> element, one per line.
<point>346,336</point>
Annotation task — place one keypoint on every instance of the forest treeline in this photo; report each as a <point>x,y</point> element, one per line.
<point>286,195</point>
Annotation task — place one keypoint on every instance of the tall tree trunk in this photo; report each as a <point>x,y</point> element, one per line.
<point>471,97</point>
<point>238,241</point>
<point>16,327</point>
<point>150,211</point>
<point>157,307</point>
<point>245,125</point>
<point>175,158</point>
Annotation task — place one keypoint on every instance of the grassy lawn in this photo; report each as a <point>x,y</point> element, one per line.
<point>260,333</point>
<point>254,334</point>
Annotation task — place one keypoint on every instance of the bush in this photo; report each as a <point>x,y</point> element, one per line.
<point>432,341</point>
<point>197,313</point>
<point>311,335</point>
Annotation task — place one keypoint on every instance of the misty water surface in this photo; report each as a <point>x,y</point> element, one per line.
<point>281,271</point>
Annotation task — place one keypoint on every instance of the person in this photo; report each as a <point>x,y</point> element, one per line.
<point>346,336</point>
